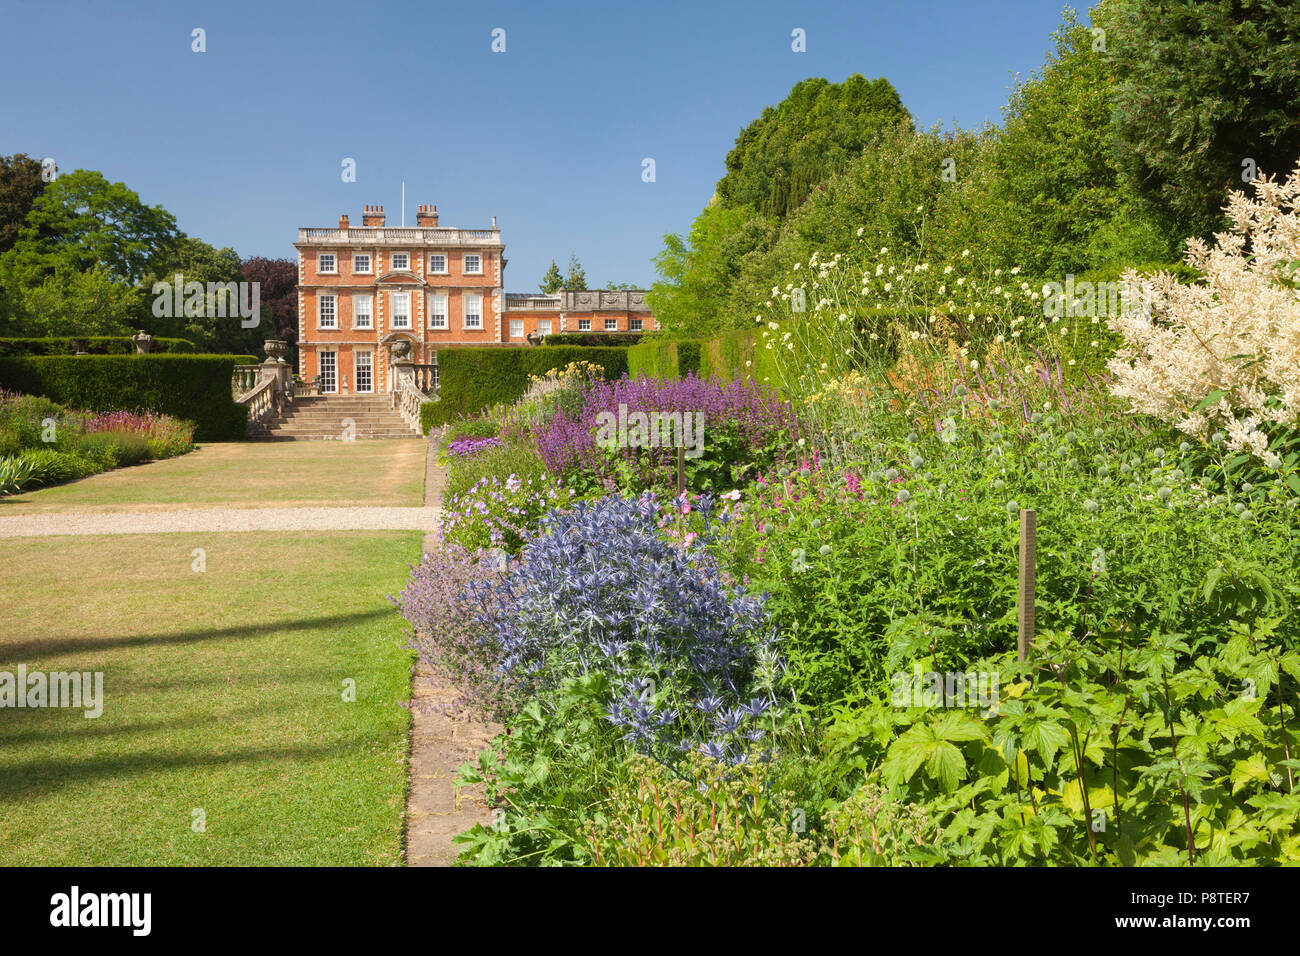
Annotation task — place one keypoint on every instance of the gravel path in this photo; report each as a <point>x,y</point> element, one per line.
<point>220,519</point>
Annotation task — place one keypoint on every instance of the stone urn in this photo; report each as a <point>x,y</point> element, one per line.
<point>400,349</point>
<point>143,342</point>
<point>276,349</point>
<point>78,348</point>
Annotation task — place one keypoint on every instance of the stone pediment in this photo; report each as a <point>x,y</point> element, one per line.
<point>400,277</point>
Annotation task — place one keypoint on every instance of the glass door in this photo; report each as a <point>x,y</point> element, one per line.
<point>364,369</point>
<point>329,366</point>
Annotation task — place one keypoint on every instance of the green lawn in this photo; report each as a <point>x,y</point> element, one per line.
<point>223,691</point>
<point>249,474</point>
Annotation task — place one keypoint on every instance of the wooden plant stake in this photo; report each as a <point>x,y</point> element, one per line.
<point>1027,591</point>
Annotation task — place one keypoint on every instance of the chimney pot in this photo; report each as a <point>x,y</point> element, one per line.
<point>372,216</point>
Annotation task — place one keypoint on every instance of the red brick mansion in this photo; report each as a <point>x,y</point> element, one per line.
<point>363,290</point>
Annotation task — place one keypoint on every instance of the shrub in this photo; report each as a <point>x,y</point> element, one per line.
<point>1224,354</point>
<point>873,828</point>
<point>195,388</point>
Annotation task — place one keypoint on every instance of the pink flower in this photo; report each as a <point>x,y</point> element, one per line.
<point>732,495</point>
<point>690,538</point>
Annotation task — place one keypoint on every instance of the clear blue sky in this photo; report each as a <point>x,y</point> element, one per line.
<point>243,143</point>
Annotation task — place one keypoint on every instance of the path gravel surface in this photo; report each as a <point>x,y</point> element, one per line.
<point>220,519</point>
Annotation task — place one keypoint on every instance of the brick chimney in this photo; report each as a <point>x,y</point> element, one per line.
<point>427,216</point>
<point>343,221</point>
<point>372,216</point>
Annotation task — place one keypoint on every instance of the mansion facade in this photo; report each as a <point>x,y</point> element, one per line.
<point>362,291</point>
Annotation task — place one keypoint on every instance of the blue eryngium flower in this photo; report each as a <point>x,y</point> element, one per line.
<point>598,589</point>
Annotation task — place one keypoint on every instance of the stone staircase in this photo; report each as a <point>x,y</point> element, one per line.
<point>324,418</point>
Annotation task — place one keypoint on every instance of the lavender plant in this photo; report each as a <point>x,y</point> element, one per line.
<point>437,605</point>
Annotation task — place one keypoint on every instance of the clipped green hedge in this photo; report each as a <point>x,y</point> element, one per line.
<point>94,344</point>
<point>665,358</point>
<point>472,379</point>
<point>192,387</point>
<point>593,339</point>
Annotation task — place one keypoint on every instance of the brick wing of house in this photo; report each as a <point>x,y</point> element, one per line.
<point>370,294</point>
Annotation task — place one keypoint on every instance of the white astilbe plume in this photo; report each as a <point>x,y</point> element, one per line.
<point>1237,331</point>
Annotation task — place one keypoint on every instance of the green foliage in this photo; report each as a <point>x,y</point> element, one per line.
<point>697,273</point>
<point>546,776</point>
<point>1113,749</point>
<point>576,278</point>
<point>94,344</point>
<point>50,466</point>
<point>197,261</point>
<point>82,221</point>
<point>653,358</point>
<point>472,379</point>
<point>552,281</point>
<point>1047,195</point>
<point>16,472</point>
<point>816,130</point>
<point>598,339</point>
<point>702,813</point>
<point>68,302</point>
<point>515,456</point>
<point>1203,85</point>
<point>114,449</point>
<point>915,550</point>
<point>20,186</point>
<point>473,428</point>
<point>664,358</point>
<point>191,387</point>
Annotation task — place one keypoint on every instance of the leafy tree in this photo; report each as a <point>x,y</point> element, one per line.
<point>1204,85</point>
<point>197,261</point>
<point>278,282</point>
<point>619,285</point>
<point>82,220</point>
<point>552,281</point>
<point>20,186</point>
<point>1048,195</point>
<point>69,302</point>
<point>577,278</point>
<point>816,130</point>
<point>698,272</point>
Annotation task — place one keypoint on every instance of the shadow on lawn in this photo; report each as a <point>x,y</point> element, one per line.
<point>44,647</point>
<point>35,779</point>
